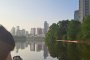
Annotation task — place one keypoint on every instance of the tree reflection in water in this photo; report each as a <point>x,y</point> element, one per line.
<point>69,51</point>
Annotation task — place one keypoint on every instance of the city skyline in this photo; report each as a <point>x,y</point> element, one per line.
<point>18,27</point>
<point>32,32</point>
<point>32,13</point>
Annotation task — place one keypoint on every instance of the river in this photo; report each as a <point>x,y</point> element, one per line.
<point>32,51</point>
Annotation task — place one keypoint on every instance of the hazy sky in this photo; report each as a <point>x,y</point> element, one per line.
<point>32,13</point>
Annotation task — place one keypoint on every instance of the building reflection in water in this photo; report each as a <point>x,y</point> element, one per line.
<point>17,47</point>
<point>22,45</point>
<point>26,44</point>
<point>45,51</point>
<point>39,46</point>
<point>32,46</point>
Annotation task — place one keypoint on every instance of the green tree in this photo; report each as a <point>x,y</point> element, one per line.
<point>57,31</point>
<point>86,28</point>
<point>73,29</point>
<point>61,29</point>
<point>50,40</point>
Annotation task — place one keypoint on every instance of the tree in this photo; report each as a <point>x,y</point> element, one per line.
<point>73,29</point>
<point>50,40</point>
<point>57,31</point>
<point>61,30</point>
<point>86,28</point>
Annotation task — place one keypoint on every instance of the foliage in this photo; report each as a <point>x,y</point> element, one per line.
<point>86,28</point>
<point>50,40</point>
<point>57,31</point>
<point>19,37</point>
<point>62,28</point>
<point>69,30</point>
<point>73,29</point>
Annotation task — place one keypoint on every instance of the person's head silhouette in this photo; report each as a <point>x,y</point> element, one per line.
<point>7,44</point>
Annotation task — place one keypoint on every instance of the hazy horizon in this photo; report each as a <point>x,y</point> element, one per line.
<point>32,13</point>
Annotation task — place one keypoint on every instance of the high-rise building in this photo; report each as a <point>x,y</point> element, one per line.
<point>13,31</point>
<point>17,31</point>
<point>39,31</point>
<point>45,27</point>
<point>84,9</point>
<point>26,33</point>
<point>33,31</point>
<point>23,32</point>
<point>42,30</point>
<point>76,15</point>
<point>17,28</point>
<point>20,32</point>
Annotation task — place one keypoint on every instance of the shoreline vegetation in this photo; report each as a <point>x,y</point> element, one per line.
<point>19,37</point>
<point>24,38</point>
<point>66,31</point>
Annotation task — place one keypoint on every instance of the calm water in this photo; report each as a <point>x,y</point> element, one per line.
<point>32,51</point>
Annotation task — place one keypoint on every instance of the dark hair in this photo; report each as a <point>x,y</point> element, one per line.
<point>7,43</point>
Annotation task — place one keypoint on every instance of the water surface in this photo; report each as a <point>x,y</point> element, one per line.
<point>32,51</point>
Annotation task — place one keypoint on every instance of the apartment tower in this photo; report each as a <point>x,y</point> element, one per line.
<point>84,9</point>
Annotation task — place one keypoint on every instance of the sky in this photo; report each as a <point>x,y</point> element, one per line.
<point>32,13</point>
